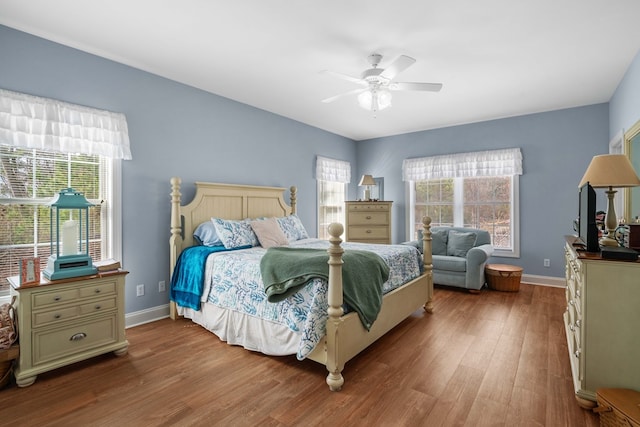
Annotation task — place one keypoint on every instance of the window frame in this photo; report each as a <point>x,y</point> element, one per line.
<point>458,209</point>
<point>111,212</point>
<point>324,233</point>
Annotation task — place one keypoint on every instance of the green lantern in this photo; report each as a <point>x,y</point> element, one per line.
<point>69,236</point>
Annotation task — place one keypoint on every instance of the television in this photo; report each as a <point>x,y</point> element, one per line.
<point>587,228</point>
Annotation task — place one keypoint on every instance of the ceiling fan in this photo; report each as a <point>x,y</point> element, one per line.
<point>378,82</point>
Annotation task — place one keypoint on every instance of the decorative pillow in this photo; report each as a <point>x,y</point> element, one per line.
<point>460,242</point>
<point>235,234</point>
<point>205,235</point>
<point>269,233</point>
<point>438,242</point>
<point>292,228</point>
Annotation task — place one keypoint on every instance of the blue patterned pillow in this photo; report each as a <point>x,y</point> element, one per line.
<point>235,234</point>
<point>292,228</point>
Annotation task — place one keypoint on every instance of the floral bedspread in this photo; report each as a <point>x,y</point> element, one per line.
<point>233,281</point>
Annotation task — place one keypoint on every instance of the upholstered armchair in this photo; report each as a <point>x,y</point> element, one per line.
<point>459,256</point>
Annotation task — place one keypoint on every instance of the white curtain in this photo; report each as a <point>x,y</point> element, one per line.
<point>481,163</point>
<point>47,124</point>
<point>332,170</point>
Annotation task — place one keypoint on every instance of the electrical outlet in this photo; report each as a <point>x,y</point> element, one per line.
<point>547,262</point>
<point>140,290</point>
<point>161,286</point>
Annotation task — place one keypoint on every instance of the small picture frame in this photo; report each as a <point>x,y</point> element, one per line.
<point>29,271</point>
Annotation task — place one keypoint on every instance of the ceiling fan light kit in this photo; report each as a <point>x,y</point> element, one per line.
<point>375,99</point>
<point>378,82</point>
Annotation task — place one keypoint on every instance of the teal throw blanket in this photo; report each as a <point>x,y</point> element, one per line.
<point>285,269</point>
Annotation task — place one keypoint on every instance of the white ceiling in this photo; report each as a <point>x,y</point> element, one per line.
<point>496,58</point>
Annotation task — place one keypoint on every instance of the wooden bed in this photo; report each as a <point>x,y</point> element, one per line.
<point>345,336</point>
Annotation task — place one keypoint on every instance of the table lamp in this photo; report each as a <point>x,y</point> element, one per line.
<point>609,171</point>
<point>367,181</point>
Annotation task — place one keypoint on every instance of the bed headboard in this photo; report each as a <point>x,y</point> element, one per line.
<point>228,201</point>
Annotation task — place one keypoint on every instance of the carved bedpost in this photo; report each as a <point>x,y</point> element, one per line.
<point>334,298</point>
<point>427,255</point>
<point>175,241</point>
<point>292,201</point>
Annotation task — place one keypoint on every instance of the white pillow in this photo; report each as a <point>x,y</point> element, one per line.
<point>269,233</point>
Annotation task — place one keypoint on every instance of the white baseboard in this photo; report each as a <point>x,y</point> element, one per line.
<point>146,316</point>
<point>558,282</point>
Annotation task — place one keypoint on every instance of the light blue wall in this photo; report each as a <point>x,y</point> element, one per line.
<point>178,130</point>
<point>556,148</point>
<point>175,130</point>
<point>624,107</point>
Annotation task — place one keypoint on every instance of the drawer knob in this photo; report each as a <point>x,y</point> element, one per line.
<point>98,307</point>
<point>97,291</point>
<point>57,298</point>
<point>577,353</point>
<point>78,337</point>
<point>578,323</point>
<point>368,231</point>
<point>56,316</point>
<point>368,216</point>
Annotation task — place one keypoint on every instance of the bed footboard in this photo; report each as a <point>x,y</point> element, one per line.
<point>345,337</point>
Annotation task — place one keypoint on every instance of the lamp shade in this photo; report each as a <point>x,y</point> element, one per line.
<point>375,99</point>
<point>367,180</point>
<point>610,170</point>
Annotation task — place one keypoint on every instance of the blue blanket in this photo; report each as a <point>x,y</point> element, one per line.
<point>187,280</point>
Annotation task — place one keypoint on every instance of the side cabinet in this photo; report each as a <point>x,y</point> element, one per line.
<point>65,321</point>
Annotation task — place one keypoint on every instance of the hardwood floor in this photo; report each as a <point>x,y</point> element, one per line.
<point>496,359</point>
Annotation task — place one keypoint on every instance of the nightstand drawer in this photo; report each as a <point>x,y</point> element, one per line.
<point>59,296</point>
<point>366,218</point>
<point>98,306</point>
<point>108,288</point>
<point>81,336</point>
<point>375,233</point>
<point>45,317</point>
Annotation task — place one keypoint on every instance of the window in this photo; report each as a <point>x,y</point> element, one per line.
<point>484,197</point>
<point>333,177</point>
<point>29,179</point>
<point>48,145</point>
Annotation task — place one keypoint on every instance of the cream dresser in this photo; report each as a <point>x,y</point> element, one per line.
<point>369,222</point>
<point>66,321</point>
<point>602,323</point>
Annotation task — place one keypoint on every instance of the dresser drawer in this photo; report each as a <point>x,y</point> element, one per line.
<point>368,207</point>
<point>368,218</point>
<point>59,296</point>
<point>51,344</point>
<point>362,233</point>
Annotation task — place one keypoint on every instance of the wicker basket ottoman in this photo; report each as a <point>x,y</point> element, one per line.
<point>618,407</point>
<point>503,277</point>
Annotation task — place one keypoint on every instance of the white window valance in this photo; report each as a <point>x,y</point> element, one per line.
<point>332,170</point>
<point>481,163</point>
<point>28,121</point>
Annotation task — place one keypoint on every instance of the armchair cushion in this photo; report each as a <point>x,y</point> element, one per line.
<point>460,242</point>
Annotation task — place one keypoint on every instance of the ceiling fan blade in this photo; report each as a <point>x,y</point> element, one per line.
<point>399,65</point>
<point>430,87</point>
<point>351,92</point>
<point>352,79</point>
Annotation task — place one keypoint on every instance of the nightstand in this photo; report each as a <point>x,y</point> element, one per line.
<point>65,321</point>
<point>368,222</point>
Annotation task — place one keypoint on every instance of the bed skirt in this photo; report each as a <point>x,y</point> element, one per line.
<point>244,330</point>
